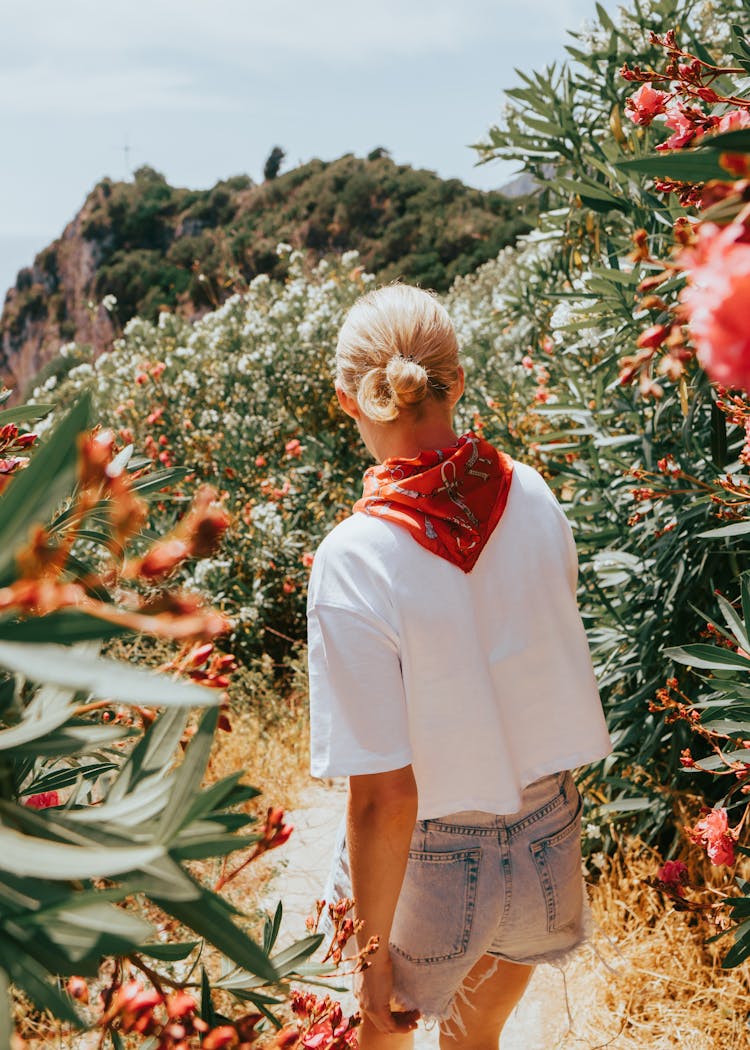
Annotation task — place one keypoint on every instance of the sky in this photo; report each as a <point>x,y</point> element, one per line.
<point>203,89</point>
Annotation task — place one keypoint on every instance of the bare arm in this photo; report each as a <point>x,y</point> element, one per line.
<point>381,814</point>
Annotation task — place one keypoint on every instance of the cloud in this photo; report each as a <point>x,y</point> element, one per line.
<point>80,57</point>
<point>48,89</point>
<point>344,31</point>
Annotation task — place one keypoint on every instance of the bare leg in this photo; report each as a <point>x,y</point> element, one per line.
<point>371,1039</point>
<point>489,1007</point>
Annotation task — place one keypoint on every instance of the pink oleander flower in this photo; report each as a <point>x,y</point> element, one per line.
<point>645,104</point>
<point>674,875</point>
<point>712,832</point>
<point>682,120</point>
<point>734,120</point>
<point>717,302</point>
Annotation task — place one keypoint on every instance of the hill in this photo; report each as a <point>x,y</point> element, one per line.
<point>152,245</point>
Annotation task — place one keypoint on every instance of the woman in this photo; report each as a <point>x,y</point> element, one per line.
<point>450,680</point>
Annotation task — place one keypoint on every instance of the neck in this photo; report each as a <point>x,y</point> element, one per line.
<point>406,439</point>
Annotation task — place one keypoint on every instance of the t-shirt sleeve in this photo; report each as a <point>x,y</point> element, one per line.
<point>358,718</point>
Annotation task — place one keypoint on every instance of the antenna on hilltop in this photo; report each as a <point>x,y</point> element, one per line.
<point>126,155</point>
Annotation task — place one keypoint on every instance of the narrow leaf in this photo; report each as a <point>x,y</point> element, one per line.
<point>41,858</point>
<point>186,781</point>
<point>103,679</point>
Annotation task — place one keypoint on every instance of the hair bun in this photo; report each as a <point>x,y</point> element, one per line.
<point>376,397</point>
<point>407,379</point>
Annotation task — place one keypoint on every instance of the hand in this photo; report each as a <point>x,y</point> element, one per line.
<point>373,988</point>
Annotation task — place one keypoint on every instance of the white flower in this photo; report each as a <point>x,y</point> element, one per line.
<point>591,831</point>
<point>109,302</point>
<point>267,518</point>
<point>349,258</point>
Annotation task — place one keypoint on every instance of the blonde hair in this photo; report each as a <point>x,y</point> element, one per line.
<point>397,346</point>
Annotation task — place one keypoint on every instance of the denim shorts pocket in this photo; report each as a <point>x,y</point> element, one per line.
<point>435,909</point>
<point>557,858</point>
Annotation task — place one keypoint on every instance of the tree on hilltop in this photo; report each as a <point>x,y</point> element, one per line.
<point>273,163</point>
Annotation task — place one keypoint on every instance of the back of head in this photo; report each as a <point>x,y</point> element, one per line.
<point>396,347</point>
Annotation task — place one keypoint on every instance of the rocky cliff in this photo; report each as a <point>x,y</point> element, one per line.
<point>144,245</point>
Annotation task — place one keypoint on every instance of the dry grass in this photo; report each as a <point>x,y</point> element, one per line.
<point>649,981</point>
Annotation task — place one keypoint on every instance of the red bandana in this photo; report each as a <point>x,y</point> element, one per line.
<point>449,499</point>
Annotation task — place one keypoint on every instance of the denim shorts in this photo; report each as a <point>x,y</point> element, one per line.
<point>479,883</point>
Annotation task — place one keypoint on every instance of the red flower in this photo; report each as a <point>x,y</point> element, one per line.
<point>652,337</point>
<point>714,834</point>
<point>646,104</point>
<point>307,559</point>
<point>293,447</point>
<point>674,875</point>
<point>217,1038</point>
<point>717,302</point>
<point>78,989</point>
<point>43,800</point>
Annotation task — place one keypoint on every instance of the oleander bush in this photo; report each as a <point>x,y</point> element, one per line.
<point>644,296</point>
<point>100,826</point>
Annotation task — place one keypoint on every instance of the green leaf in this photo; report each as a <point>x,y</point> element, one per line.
<point>740,950</point>
<point>188,777</point>
<point>271,928</point>
<point>158,479</point>
<point>745,588</point>
<point>39,719</point>
<point>592,191</point>
<point>684,165</point>
<point>6,1020</point>
<point>214,796</point>
<point>104,679</point>
<point>60,778</point>
<point>207,1006</point>
<point>23,412</point>
<point>64,626</point>
<point>153,752</point>
<point>734,623</point>
<point>74,738</point>
<point>710,656</point>
<point>737,528</point>
<point>718,436</point>
<point>92,909</point>
<point>167,952</point>
<point>286,960</point>
<point>33,494</point>
<point>198,847</point>
<point>737,141</point>
<point>41,858</point>
<point>625,805</point>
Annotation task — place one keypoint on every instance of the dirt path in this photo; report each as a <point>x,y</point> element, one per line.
<point>541,1020</point>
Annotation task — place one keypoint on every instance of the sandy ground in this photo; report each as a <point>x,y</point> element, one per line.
<point>541,1020</point>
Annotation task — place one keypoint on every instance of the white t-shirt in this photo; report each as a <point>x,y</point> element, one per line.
<point>482,680</point>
